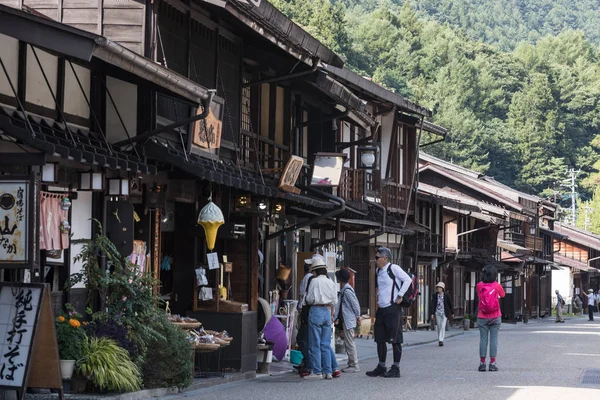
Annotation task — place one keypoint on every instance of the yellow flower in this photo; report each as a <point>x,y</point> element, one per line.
<point>85,324</point>
<point>74,323</point>
<point>61,319</point>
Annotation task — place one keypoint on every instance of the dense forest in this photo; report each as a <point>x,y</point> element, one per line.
<point>520,106</point>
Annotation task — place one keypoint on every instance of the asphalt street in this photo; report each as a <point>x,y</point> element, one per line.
<point>540,360</point>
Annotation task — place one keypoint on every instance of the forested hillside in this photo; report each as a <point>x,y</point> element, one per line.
<point>523,116</point>
<point>505,23</point>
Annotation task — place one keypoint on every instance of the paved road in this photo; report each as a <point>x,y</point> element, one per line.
<point>537,361</point>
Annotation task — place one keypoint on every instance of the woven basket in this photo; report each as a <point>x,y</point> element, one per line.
<point>206,346</point>
<point>188,325</point>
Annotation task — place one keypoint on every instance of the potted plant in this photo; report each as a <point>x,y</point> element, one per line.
<point>69,337</point>
<point>108,366</point>
<point>466,322</point>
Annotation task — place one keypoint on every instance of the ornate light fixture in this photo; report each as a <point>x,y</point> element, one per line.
<point>368,157</point>
<point>91,181</point>
<point>118,187</point>
<point>50,172</point>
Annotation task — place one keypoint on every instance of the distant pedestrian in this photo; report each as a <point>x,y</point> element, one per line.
<point>440,308</point>
<point>489,317</point>
<point>388,319</point>
<point>591,303</point>
<point>578,305</point>
<point>303,308</point>
<point>321,295</point>
<point>560,302</point>
<point>347,315</point>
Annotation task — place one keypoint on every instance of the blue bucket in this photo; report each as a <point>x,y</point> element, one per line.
<point>296,357</point>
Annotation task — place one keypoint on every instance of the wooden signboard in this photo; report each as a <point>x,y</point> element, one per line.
<point>290,174</point>
<point>29,356</point>
<point>207,132</point>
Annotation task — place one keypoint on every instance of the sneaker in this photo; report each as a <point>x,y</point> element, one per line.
<point>304,372</point>
<point>492,367</point>
<point>441,344</point>
<point>351,369</point>
<point>327,376</point>
<point>337,373</point>
<point>312,376</point>
<point>393,372</point>
<point>482,367</point>
<point>378,371</point>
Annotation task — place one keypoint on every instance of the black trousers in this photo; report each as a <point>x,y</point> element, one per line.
<point>591,312</point>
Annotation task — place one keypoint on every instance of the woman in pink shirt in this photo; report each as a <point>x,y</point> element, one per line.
<point>489,316</point>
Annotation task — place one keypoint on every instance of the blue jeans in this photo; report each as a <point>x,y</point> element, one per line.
<point>319,340</point>
<point>488,327</point>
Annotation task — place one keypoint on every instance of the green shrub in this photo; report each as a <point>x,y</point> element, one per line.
<point>108,366</point>
<point>169,362</point>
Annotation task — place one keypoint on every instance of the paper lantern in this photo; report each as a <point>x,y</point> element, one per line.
<point>211,218</point>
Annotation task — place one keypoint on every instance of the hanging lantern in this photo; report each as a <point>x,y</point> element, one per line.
<point>64,227</point>
<point>65,204</point>
<point>211,218</point>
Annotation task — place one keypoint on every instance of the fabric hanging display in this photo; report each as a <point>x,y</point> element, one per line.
<point>166,263</point>
<point>54,222</point>
<point>138,256</point>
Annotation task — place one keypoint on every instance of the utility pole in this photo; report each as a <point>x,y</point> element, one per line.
<point>572,185</point>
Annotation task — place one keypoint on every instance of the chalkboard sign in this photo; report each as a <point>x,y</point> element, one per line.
<point>19,308</point>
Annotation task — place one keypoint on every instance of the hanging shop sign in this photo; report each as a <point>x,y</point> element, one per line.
<point>16,222</point>
<point>290,174</point>
<point>207,132</point>
<point>327,169</point>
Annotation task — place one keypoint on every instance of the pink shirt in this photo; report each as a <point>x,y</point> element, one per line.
<point>490,286</point>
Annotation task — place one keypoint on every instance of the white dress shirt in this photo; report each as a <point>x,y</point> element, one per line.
<point>322,290</point>
<point>302,289</point>
<point>385,284</point>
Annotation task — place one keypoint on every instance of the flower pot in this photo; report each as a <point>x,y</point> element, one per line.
<point>78,384</point>
<point>66,368</point>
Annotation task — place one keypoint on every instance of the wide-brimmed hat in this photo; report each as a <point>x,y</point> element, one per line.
<point>441,284</point>
<point>317,262</point>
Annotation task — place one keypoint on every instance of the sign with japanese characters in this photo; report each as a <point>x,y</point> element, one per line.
<point>14,221</point>
<point>290,174</point>
<point>19,305</point>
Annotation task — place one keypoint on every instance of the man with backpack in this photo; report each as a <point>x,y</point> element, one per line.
<point>392,283</point>
<point>560,302</point>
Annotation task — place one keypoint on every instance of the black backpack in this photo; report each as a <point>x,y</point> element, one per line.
<point>411,294</point>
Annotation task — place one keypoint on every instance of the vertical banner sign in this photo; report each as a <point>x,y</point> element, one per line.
<point>14,222</point>
<point>19,307</point>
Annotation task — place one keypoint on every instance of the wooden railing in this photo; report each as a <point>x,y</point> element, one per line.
<point>269,153</point>
<point>515,237</point>
<point>394,196</point>
<point>431,243</point>
<point>534,243</point>
<point>351,185</point>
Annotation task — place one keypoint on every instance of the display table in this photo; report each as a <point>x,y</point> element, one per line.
<point>202,359</point>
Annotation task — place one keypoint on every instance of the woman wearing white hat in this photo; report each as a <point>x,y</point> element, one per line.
<point>440,308</point>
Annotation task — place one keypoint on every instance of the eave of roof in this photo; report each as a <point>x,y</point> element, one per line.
<point>358,82</point>
<point>264,18</point>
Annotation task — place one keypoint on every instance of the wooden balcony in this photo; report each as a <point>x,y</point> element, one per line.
<point>394,196</point>
<point>351,185</point>
<point>270,155</point>
<point>430,243</point>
